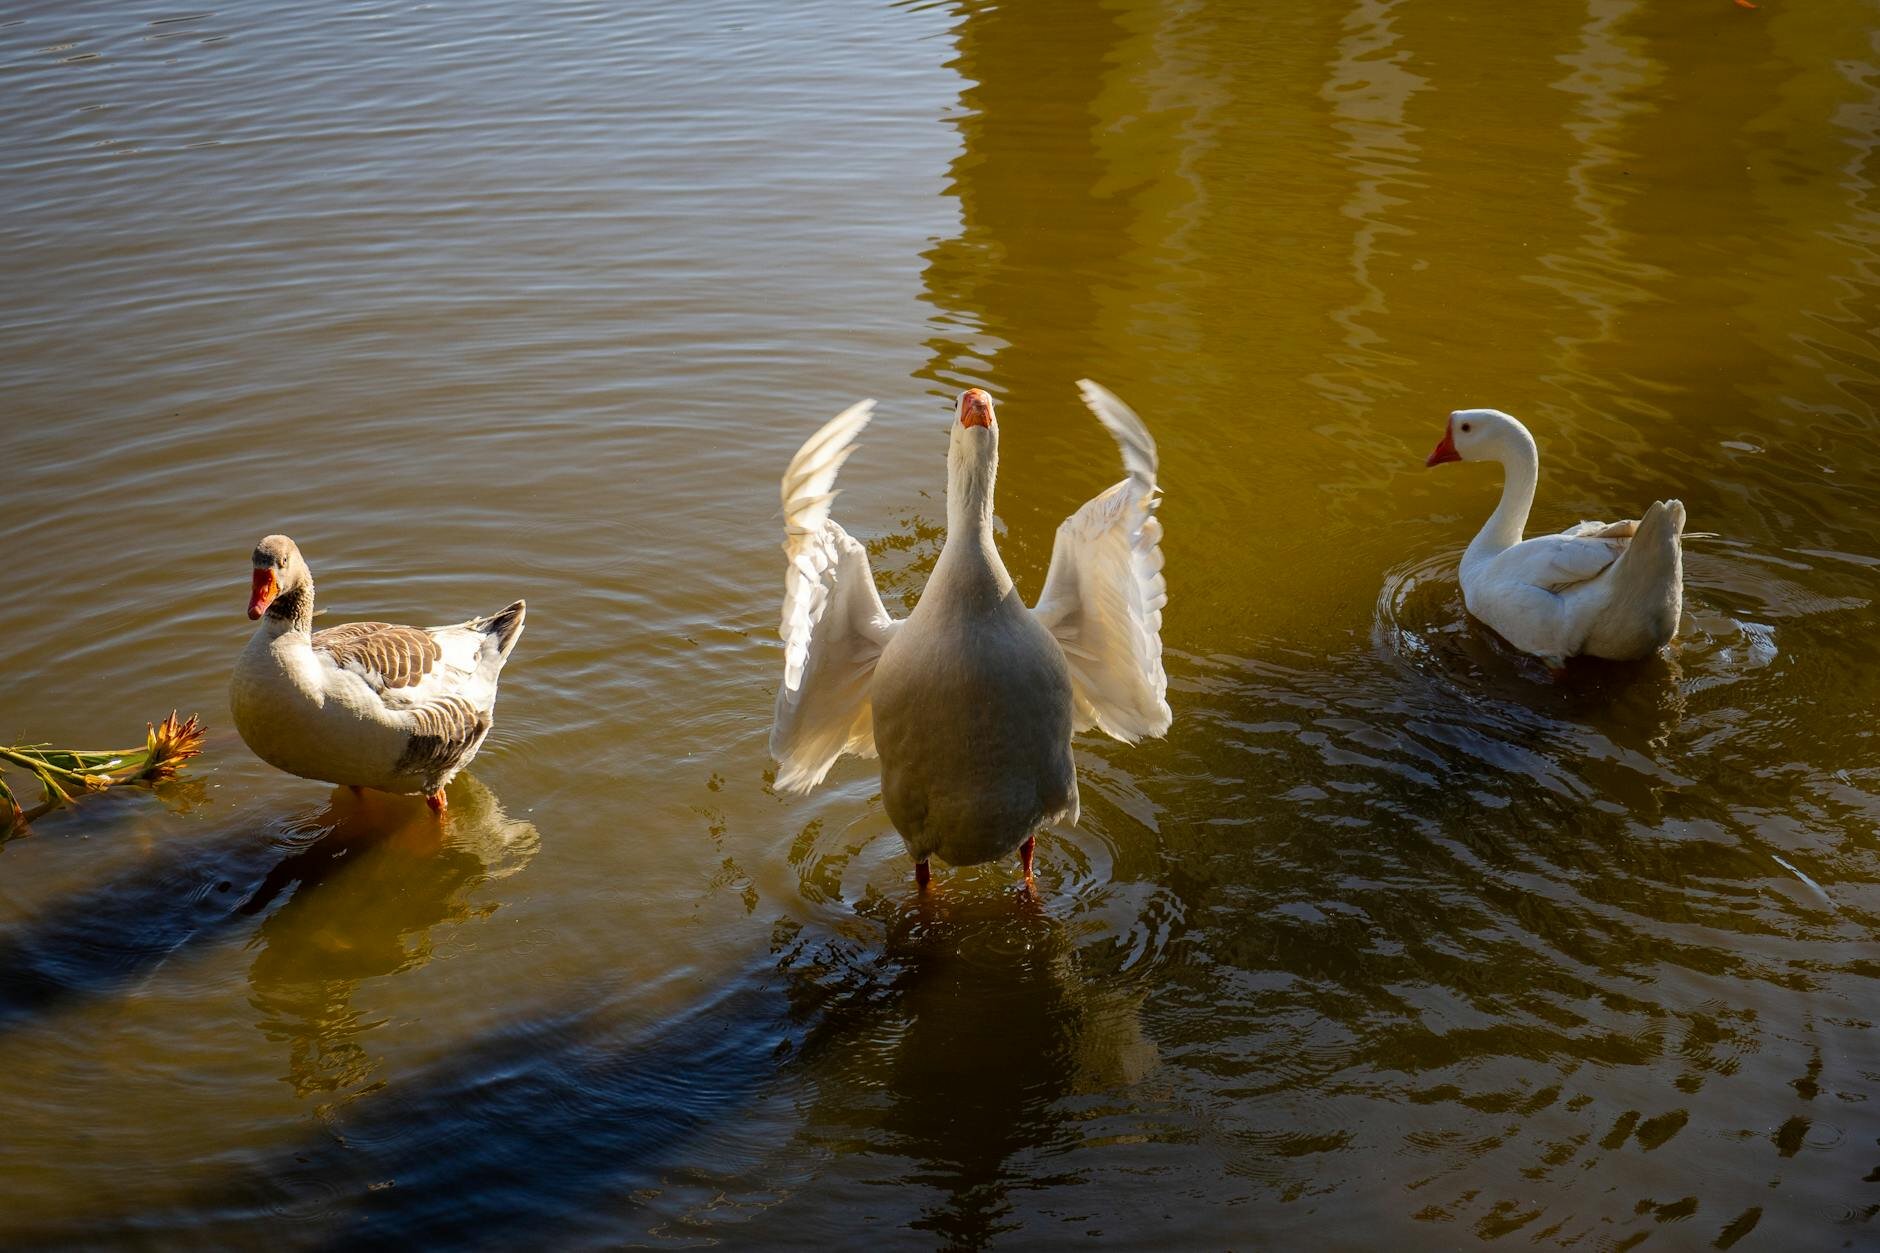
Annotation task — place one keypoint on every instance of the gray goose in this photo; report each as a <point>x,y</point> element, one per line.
<point>970,701</point>
<point>365,704</point>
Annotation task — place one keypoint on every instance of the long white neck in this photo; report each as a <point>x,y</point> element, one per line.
<point>1521,468</point>
<point>969,565</point>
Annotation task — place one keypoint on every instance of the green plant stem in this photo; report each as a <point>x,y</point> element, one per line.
<point>39,765</point>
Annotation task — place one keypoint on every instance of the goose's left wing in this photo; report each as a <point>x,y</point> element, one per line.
<point>1104,593</point>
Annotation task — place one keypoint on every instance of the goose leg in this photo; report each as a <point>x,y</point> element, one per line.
<point>1024,854</point>
<point>436,801</point>
<point>922,874</point>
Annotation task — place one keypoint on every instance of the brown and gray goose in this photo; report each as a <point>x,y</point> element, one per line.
<point>365,704</point>
<point>971,700</point>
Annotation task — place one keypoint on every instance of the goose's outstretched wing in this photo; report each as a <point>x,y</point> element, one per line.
<point>834,625</point>
<point>1104,593</point>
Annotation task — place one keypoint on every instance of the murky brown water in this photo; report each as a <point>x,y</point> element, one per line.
<point>1388,944</point>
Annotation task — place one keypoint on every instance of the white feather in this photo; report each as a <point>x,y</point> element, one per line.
<point>833,624</point>
<point>1104,592</point>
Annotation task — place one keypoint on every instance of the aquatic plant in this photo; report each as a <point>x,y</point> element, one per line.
<point>65,774</point>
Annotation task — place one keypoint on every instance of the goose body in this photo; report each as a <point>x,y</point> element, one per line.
<point>365,704</point>
<point>1600,589</point>
<point>970,702</point>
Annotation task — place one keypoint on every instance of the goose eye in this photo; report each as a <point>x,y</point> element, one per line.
<point>1465,428</point>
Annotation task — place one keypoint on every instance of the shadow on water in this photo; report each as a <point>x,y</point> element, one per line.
<point>528,1130</point>
<point>575,1118</point>
<point>567,1122</point>
<point>414,875</point>
<point>556,1108</point>
<point>124,928</point>
<point>567,1118</point>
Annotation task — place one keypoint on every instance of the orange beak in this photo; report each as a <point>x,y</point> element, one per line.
<point>975,408</point>
<point>265,590</point>
<point>1445,451</point>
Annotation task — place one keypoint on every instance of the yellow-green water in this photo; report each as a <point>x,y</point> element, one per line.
<point>1389,943</point>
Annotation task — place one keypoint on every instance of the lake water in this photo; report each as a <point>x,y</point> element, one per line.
<point>1391,942</point>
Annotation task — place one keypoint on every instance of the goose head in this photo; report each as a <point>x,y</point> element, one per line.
<point>975,427</point>
<point>1480,435</point>
<point>279,572</point>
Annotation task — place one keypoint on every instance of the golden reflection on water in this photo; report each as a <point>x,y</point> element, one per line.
<point>364,898</point>
<point>1390,941</point>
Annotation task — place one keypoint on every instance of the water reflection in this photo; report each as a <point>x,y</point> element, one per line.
<point>908,1080</point>
<point>1369,89</point>
<point>1609,75</point>
<point>1025,208</point>
<point>365,898</point>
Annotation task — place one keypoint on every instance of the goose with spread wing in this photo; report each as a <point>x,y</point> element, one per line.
<point>1602,589</point>
<point>971,700</point>
<point>366,704</point>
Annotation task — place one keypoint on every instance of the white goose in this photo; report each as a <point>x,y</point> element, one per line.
<point>366,704</point>
<point>971,700</point>
<point>1604,589</point>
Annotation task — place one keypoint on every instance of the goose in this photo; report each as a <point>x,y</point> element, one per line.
<point>1603,589</point>
<point>971,700</point>
<point>364,704</point>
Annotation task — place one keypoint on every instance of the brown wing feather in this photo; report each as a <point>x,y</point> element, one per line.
<point>444,734</point>
<point>398,656</point>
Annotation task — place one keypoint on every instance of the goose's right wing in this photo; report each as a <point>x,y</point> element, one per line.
<point>834,625</point>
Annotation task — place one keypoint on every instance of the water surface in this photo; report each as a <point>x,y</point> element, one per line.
<point>1390,942</point>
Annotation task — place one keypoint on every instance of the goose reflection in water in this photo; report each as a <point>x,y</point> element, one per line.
<point>970,1117</point>
<point>364,897</point>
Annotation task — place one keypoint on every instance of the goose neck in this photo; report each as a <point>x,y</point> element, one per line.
<point>969,571</point>
<point>970,481</point>
<point>1520,463</point>
<point>292,610</point>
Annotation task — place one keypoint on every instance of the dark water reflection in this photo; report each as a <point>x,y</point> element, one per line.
<point>1393,940</point>
<point>972,1122</point>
